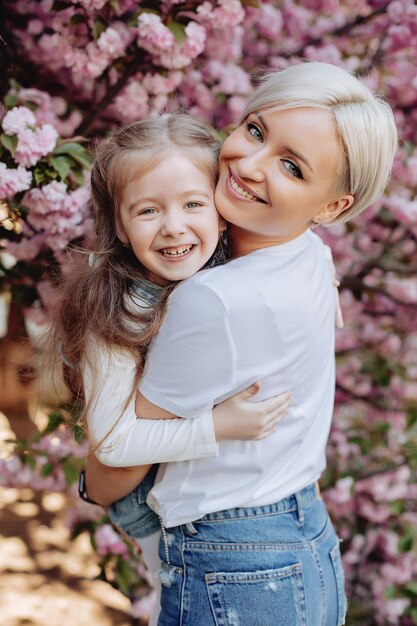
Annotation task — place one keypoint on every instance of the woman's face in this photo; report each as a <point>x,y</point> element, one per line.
<point>278,171</point>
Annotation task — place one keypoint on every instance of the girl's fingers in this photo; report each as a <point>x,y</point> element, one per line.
<point>275,403</point>
<point>249,391</point>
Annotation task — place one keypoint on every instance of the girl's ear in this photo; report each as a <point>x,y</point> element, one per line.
<point>334,209</point>
<point>120,233</point>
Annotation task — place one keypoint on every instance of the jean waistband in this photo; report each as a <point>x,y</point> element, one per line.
<point>295,502</point>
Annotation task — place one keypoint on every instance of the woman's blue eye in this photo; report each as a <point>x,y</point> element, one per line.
<point>255,131</point>
<point>292,168</point>
<point>148,211</point>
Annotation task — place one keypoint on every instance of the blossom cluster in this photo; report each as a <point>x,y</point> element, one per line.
<point>107,62</point>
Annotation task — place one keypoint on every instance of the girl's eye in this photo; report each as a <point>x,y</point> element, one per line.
<point>292,168</point>
<point>192,205</point>
<point>147,211</point>
<point>255,131</point>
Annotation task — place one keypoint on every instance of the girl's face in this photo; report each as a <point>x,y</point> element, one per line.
<point>169,218</point>
<point>278,171</point>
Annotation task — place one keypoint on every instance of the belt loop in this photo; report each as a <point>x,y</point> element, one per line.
<point>300,510</point>
<point>191,529</point>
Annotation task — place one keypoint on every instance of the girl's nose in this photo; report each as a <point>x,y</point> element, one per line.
<point>173,224</point>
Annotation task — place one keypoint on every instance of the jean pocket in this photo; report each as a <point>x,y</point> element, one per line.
<point>260,598</point>
<point>336,560</point>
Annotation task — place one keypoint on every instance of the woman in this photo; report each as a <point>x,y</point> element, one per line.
<point>248,539</point>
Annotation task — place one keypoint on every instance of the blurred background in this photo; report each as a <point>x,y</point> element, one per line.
<point>70,70</point>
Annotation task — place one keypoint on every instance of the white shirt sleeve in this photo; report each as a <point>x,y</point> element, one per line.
<point>192,361</point>
<point>108,380</point>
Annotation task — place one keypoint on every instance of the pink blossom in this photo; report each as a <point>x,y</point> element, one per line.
<point>17,120</point>
<point>195,41</point>
<point>153,34</point>
<point>109,541</point>
<point>270,21</point>
<point>142,608</point>
<point>34,144</point>
<point>111,43</point>
<point>12,181</point>
<point>228,13</point>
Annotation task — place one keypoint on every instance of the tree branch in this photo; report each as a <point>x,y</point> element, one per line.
<point>341,30</point>
<point>140,62</point>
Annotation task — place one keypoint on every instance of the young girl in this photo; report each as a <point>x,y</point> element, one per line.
<point>248,539</point>
<point>152,189</point>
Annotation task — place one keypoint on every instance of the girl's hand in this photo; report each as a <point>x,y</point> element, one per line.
<point>238,419</point>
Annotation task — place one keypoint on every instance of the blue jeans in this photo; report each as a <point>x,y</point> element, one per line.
<point>274,565</point>
<point>132,515</point>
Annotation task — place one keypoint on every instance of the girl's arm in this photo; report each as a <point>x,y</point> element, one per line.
<point>235,418</point>
<point>133,441</point>
<point>107,484</point>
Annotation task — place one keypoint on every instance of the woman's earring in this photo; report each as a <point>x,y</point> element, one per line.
<point>320,220</point>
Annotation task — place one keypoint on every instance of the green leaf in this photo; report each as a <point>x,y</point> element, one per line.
<point>98,28</point>
<point>77,176</point>
<point>54,420</point>
<point>411,588</point>
<point>71,474</point>
<point>413,613</point>
<point>78,153</point>
<point>178,30</point>
<point>78,433</point>
<point>10,101</point>
<point>47,470</point>
<point>43,174</point>
<point>31,461</point>
<point>78,18</point>
<point>10,143</point>
<point>405,544</point>
<point>115,5</point>
<point>62,165</point>
<point>251,3</point>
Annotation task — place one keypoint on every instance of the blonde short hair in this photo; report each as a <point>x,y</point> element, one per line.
<point>364,121</point>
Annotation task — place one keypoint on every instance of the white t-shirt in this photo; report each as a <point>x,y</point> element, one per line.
<point>108,377</point>
<point>267,316</point>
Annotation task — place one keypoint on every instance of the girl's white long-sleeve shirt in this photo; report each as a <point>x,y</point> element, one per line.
<point>125,440</point>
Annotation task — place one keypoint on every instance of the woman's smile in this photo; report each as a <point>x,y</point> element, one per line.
<point>242,190</point>
<point>277,173</point>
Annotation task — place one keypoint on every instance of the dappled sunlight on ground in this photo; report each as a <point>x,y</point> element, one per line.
<point>46,579</point>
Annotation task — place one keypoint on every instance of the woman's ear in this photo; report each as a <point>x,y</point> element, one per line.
<point>334,209</point>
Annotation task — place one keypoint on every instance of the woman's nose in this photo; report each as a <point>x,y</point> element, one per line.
<point>250,167</point>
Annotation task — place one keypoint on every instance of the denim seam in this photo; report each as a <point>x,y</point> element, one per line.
<point>184,579</point>
<point>322,584</point>
<point>244,547</point>
<point>305,502</point>
<point>302,598</point>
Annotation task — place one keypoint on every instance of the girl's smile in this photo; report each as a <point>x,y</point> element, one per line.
<point>169,218</point>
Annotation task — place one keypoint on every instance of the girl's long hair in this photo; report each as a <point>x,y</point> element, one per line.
<point>95,300</point>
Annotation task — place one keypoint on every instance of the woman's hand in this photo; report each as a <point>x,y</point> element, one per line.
<point>238,419</point>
